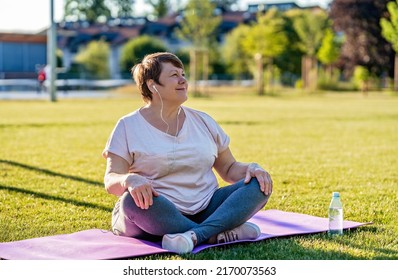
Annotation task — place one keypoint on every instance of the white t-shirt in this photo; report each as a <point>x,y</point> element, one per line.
<point>180,168</point>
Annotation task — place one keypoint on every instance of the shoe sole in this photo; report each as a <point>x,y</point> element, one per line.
<point>176,243</point>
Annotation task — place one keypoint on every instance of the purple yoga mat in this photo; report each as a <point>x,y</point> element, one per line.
<point>98,244</point>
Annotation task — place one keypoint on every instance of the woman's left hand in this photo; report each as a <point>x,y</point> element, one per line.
<point>262,176</point>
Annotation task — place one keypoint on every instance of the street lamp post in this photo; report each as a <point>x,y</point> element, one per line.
<point>51,56</point>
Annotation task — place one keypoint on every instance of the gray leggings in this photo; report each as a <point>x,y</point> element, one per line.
<point>229,207</point>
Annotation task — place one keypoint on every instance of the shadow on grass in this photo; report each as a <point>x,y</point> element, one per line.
<point>55,198</point>
<point>381,253</point>
<point>51,173</point>
<point>291,248</point>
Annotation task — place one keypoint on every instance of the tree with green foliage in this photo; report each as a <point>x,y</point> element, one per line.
<point>199,23</point>
<point>310,27</point>
<point>91,11</point>
<point>289,61</point>
<point>329,52</point>
<point>198,27</point>
<point>361,78</point>
<point>359,21</point>
<point>160,7</point>
<point>389,30</point>
<point>264,41</point>
<point>233,53</point>
<point>123,8</point>
<point>225,5</point>
<point>97,10</point>
<point>135,50</point>
<point>95,59</point>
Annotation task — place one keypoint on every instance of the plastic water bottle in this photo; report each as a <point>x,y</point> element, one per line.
<point>336,215</point>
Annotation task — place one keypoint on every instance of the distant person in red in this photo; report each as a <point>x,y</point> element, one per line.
<point>41,78</point>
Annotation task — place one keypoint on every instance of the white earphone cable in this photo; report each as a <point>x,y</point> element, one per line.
<point>168,127</point>
<point>161,111</point>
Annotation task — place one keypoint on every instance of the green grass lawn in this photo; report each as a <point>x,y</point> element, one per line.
<point>51,167</point>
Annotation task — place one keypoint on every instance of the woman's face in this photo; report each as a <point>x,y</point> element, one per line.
<point>173,83</point>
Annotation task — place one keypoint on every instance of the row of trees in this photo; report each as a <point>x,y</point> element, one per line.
<point>102,10</point>
<point>290,45</point>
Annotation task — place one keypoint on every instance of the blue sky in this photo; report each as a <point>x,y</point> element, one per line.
<point>34,15</point>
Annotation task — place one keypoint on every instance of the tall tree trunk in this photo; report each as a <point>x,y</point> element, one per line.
<point>306,66</point>
<point>330,72</point>
<point>260,73</point>
<point>304,71</point>
<point>205,71</point>
<point>269,75</point>
<point>309,72</point>
<point>314,73</point>
<point>193,67</point>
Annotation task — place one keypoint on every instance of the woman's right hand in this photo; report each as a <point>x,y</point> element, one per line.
<point>141,190</point>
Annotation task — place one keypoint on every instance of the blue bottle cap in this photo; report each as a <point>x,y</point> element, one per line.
<point>336,194</point>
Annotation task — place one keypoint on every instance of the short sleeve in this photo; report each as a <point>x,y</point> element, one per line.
<point>117,143</point>
<point>220,137</point>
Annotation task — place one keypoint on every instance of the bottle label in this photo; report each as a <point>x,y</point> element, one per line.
<point>335,220</point>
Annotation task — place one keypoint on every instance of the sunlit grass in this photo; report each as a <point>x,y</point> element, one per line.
<point>51,167</point>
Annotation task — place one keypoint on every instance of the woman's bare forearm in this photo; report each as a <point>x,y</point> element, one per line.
<point>115,183</point>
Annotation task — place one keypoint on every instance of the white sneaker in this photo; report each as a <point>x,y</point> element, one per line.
<point>179,242</point>
<point>244,231</point>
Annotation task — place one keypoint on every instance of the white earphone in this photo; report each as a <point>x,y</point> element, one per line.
<point>155,88</point>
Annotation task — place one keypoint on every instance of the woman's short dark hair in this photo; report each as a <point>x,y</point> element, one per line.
<point>150,68</point>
